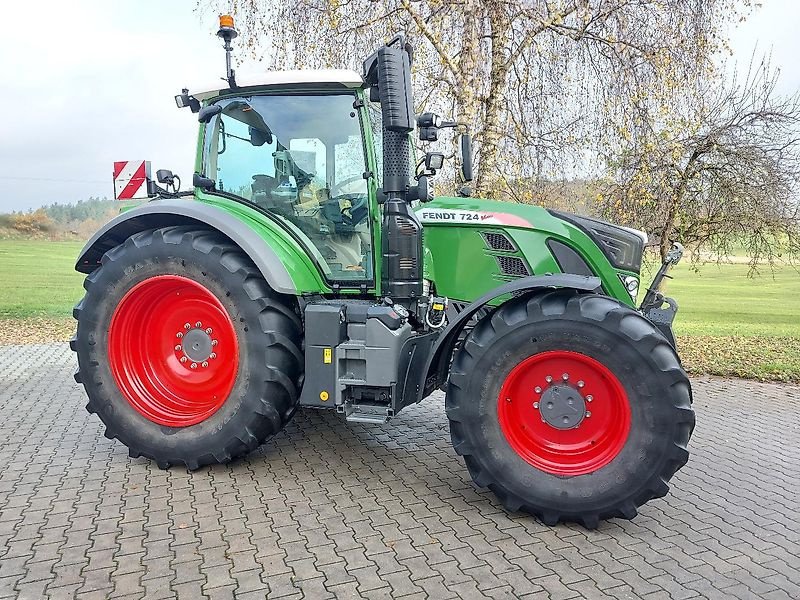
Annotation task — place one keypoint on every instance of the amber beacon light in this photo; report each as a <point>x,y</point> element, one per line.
<point>227,33</point>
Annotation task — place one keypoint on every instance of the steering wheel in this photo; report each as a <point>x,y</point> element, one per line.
<point>358,201</point>
<point>341,184</point>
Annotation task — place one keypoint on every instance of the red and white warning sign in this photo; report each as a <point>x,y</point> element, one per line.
<point>130,179</point>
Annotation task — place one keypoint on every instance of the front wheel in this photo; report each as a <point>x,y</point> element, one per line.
<point>585,414</point>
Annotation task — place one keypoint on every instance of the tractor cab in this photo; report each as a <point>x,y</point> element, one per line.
<point>297,147</point>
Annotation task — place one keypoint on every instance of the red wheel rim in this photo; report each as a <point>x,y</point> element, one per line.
<point>173,350</point>
<point>562,449</point>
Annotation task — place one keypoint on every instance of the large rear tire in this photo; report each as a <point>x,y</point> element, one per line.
<point>585,413</point>
<point>187,356</point>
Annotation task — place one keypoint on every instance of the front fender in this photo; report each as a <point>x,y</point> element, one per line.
<point>269,256</point>
<point>439,357</point>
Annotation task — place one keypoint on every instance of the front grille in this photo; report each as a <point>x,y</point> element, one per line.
<point>569,261</point>
<point>498,241</point>
<point>512,266</point>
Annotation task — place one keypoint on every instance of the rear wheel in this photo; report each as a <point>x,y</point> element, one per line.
<point>586,412</point>
<point>186,354</point>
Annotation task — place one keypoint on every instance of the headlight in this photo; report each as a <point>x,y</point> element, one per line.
<point>631,284</point>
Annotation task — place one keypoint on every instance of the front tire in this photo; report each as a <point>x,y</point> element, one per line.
<point>585,414</point>
<point>186,354</point>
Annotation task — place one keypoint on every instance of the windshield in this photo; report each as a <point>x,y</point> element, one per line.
<point>300,157</point>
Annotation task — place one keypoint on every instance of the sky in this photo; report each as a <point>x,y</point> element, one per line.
<point>89,82</point>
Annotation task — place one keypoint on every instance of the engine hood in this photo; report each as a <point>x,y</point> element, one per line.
<point>622,246</point>
<point>446,210</point>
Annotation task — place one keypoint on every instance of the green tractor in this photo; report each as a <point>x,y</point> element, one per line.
<point>296,274</point>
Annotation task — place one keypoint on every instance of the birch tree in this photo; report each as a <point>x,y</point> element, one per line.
<point>542,84</point>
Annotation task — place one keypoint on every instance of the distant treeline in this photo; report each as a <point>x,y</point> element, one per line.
<point>58,221</point>
<point>82,210</point>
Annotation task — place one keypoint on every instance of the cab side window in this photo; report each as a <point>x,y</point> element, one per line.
<point>300,157</point>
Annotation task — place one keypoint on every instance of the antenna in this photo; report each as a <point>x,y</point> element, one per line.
<point>228,33</point>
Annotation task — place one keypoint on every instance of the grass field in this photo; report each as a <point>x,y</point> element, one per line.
<point>728,323</point>
<point>38,278</point>
<point>731,324</point>
<point>721,300</point>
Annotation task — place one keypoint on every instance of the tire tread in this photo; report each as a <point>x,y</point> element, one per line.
<point>268,419</point>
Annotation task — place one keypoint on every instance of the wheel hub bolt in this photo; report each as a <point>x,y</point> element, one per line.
<point>565,376</point>
<point>205,363</point>
<point>194,365</point>
<point>179,334</point>
<point>537,389</point>
<point>589,398</point>
<point>588,413</point>
<point>198,324</point>
<point>549,379</point>
<point>214,342</point>
<point>581,384</point>
<point>209,330</point>
<point>184,359</point>
<point>178,347</point>
<point>187,326</point>
<point>535,405</point>
<point>212,355</point>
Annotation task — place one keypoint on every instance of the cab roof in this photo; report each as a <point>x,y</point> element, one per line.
<point>346,78</point>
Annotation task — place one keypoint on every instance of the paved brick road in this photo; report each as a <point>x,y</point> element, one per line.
<point>328,509</point>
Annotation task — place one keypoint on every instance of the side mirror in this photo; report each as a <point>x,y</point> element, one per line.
<point>465,158</point>
<point>208,112</point>
<point>165,176</point>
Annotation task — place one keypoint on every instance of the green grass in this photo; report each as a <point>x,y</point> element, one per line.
<point>721,300</point>
<point>728,323</point>
<point>38,279</point>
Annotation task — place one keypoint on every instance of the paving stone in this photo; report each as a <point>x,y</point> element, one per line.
<point>327,509</point>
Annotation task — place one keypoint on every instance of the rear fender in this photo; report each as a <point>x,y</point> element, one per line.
<point>166,213</point>
<point>439,357</point>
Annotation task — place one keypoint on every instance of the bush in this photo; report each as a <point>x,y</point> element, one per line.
<point>60,221</point>
<point>31,223</point>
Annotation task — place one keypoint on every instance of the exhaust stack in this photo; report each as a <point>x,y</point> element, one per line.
<point>388,73</point>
